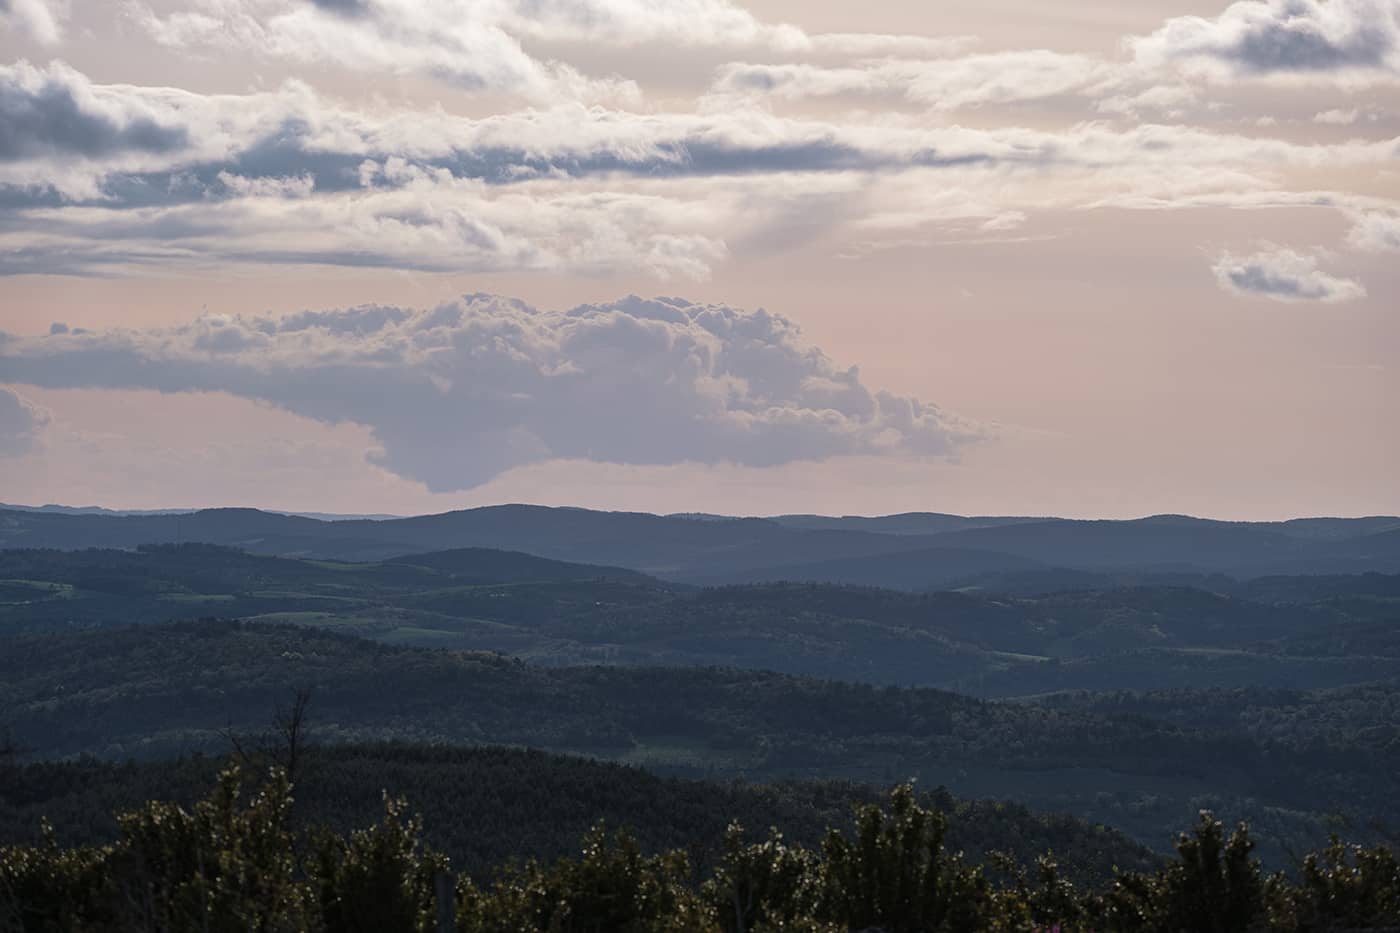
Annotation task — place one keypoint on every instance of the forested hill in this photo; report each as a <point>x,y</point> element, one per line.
<point>734,550</point>
<point>486,807</point>
<point>1311,631</point>
<point>153,691</point>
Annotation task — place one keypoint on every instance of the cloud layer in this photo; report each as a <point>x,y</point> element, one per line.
<point>457,394</point>
<point>104,178</point>
<point>913,138</point>
<point>481,44</point>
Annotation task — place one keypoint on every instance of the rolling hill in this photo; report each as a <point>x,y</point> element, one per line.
<point>713,549</point>
<point>154,691</point>
<point>1304,631</point>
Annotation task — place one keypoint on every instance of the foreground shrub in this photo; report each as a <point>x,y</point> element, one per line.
<point>231,863</point>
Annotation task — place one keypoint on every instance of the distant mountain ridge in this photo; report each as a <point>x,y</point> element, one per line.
<point>912,551</point>
<point>903,523</point>
<point>100,510</point>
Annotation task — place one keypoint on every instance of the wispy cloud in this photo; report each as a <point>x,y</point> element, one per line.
<point>940,84</point>
<point>1337,117</point>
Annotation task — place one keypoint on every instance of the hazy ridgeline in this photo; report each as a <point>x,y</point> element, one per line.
<point>1123,674</point>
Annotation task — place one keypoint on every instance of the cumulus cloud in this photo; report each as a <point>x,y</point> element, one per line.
<point>1377,231</point>
<point>21,421</point>
<point>1283,275</point>
<point>460,393</point>
<point>1299,38</point>
<point>36,18</point>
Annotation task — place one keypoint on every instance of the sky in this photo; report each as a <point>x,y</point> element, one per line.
<point>1091,258</point>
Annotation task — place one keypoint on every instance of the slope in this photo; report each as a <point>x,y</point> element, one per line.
<point>153,691</point>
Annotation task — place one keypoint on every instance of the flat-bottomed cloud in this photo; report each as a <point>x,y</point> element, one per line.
<point>459,393</point>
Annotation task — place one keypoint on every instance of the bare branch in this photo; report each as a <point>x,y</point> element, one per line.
<point>290,724</point>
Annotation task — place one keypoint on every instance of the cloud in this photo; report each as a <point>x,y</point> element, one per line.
<point>457,394</point>
<point>101,179</point>
<point>1355,42</point>
<point>454,42</point>
<point>1283,275</point>
<point>1298,38</point>
<point>941,84</point>
<point>344,7</point>
<point>481,44</point>
<point>429,224</point>
<point>134,146</point>
<point>21,421</point>
<point>433,25</point>
<point>1337,117</point>
<point>1376,231</point>
<point>36,18</point>
<point>54,111</point>
<point>1171,100</point>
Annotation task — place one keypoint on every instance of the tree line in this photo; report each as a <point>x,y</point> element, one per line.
<point>233,861</point>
